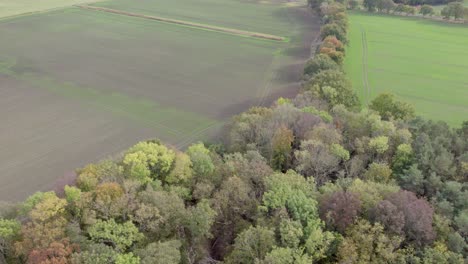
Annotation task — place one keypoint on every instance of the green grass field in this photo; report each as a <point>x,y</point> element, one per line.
<point>17,7</point>
<point>79,85</point>
<point>422,62</point>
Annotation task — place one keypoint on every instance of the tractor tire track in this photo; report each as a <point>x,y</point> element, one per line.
<point>365,74</point>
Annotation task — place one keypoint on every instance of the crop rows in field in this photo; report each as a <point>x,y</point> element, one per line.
<point>79,85</point>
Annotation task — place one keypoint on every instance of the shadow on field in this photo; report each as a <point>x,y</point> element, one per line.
<point>288,76</point>
<point>290,73</point>
<point>289,91</point>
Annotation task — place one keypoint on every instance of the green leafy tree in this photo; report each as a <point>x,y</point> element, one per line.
<point>461,221</point>
<point>281,188</point>
<point>403,158</point>
<point>320,244</point>
<point>291,233</point>
<point>340,152</point>
<point>72,194</point>
<point>378,172</point>
<point>319,63</point>
<point>334,29</point>
<point>385,5</point>
<point>148,161</point>
<point>379,144</point>
<point>33,200</point>
<point>251,167</point>
<point>9,231</point>
<point>333,87</point>
<point>198,224</point>
<point>199,221</point>
<point>281,147</point>
<point>367,243</point>
<point>252,245</point>
<point>235,204</point>
<point>160,213</point>
<point>426,10</point>
<point>453,9</point>
<point>324,115</point>
<point>247,129</point>
<point>94,174</point>
<point>95,254</point>
<point>370,5</point>
<point>440,254</point>
<point>353,4</point>
<point>412,179</point>
<point>409,10</point>
<point>182,172</point>
<point>119,236</point>
<point>167,252</point>
<point>202,163</point>
<point>128,258</point>
<point>446,12</point>
<point>371,193</point>
<point>108,200</point>
<point>456,243</point>
<point>286,256</point>
<point>390,108</point>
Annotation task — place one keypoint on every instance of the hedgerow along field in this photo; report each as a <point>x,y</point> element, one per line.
<point>439,8</point>
<point>422,62</point>
<point>80,85</point>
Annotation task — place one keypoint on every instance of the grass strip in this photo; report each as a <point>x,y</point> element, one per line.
<point>186,23</point>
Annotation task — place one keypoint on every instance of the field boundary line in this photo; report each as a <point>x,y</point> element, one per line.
<point>38,12</point>
<point>31,13</point>
<point>186,23</point>
<point>365,76</point>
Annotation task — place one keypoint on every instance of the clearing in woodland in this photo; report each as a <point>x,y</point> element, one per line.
<point>423,62</point>
<point>78,85</point>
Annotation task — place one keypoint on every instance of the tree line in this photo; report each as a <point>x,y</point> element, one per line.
<point>312,179</point>
<point>455,10</point>
<point>413,2</point>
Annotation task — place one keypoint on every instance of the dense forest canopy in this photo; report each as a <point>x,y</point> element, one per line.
<point>313,179</point>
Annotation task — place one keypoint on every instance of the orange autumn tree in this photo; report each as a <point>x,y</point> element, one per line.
<point>57,253</point>
<point>44,230</point>
<point>334,48</point>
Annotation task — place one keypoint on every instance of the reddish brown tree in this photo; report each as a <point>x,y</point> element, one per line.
<point>340,209</point>
<point>387,214</point>
<point>57,253</point>
<point>418,216</point>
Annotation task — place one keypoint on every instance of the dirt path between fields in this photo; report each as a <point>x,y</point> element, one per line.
<point>187,23</point>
